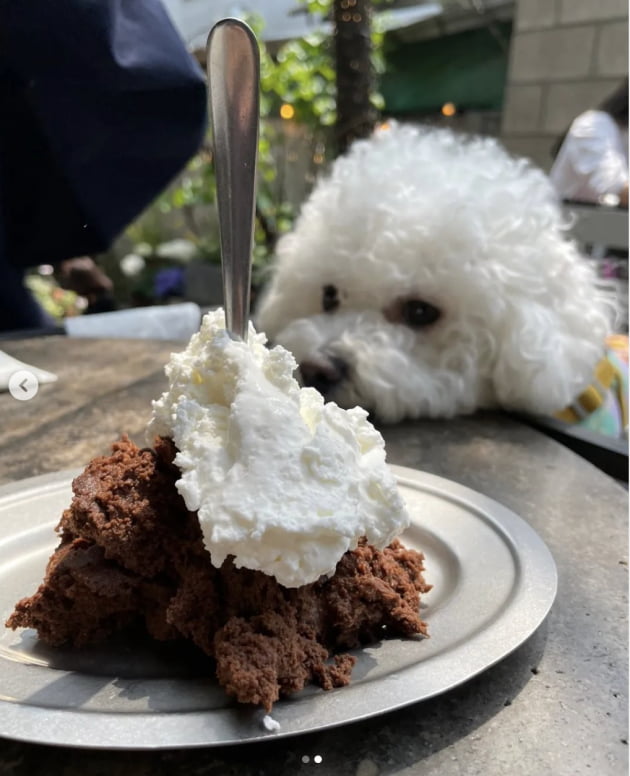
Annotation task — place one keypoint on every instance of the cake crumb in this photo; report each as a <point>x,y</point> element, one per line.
<point>270,724</point>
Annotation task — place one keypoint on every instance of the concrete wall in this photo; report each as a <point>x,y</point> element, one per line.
<point>566,56</point>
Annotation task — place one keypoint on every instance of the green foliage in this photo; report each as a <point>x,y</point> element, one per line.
<point>56,301</point>
<point>301,75</point>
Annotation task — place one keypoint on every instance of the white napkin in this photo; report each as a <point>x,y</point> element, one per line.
<point>167,322</point>
<point>9,365</point>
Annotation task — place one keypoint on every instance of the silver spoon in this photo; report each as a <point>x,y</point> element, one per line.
<point>233,66</point>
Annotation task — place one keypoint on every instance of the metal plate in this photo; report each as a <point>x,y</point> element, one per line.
<point>494,582</point>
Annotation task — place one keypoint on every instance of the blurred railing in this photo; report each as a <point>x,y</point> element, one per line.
<point>602,233</point>
<point>602,228</point>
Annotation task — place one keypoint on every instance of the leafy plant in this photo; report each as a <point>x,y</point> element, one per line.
<point>56,301</point>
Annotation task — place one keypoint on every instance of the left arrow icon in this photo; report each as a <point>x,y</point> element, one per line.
<point>23,385</point>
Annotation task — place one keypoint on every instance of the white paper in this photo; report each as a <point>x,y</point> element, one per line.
<point>9,365</point>
<point>167,322</point>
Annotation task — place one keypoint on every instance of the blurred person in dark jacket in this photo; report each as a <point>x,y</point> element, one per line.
<point>100,107</point>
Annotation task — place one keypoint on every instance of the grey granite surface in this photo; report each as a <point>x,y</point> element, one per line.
<point>557,705</point>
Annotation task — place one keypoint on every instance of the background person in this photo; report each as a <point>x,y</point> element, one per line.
<point>592,157</point>
<point>101,105</point>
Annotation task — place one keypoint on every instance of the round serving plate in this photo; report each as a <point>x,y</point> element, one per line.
<point>493,578</point>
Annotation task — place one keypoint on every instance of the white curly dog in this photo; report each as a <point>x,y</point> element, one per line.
<point>431,275</point>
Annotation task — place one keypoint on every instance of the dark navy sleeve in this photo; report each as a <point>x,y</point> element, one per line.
<point>100,107</point>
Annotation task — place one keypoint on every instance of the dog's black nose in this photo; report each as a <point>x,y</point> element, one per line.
<point>323,375</point>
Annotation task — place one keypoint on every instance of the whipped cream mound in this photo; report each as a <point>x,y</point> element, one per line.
<point>280,480</point>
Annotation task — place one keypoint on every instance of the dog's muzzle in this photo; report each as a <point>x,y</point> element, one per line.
<point>325,374</point>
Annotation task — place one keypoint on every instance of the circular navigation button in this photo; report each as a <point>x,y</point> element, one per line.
<point>23,385</point>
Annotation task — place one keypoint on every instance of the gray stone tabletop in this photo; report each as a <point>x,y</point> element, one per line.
<point>557,705</point>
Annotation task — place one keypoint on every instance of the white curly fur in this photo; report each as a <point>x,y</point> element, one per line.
<point>457,222</point>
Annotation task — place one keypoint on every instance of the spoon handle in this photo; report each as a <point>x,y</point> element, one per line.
<point>233,65</point>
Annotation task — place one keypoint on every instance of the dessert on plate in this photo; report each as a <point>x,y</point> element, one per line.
<point>261,525</point>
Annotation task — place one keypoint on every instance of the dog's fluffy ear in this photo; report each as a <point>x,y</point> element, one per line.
<point>548,346</point>
<point>271,310</point>
<point>295,281</point>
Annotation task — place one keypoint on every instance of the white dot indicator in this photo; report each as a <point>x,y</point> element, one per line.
<point>317,759</point>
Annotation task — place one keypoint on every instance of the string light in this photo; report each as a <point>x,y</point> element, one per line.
<point>449,109</point>
<point>287,111</point>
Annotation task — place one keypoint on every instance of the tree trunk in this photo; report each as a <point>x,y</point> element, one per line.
<point>356,115</point>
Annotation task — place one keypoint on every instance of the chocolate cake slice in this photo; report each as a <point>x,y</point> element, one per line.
<point>132,554</point>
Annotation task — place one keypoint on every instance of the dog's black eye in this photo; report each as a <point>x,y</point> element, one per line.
<point>330,298</point>
<point>416,313</point>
